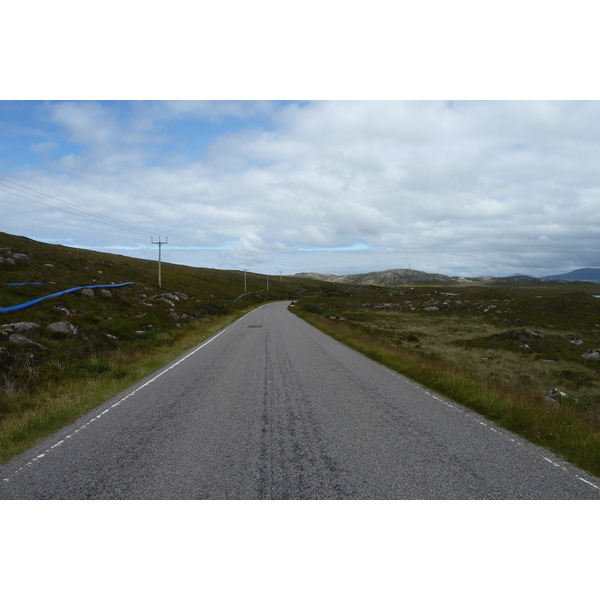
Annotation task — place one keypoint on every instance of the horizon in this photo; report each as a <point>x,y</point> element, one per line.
<point>277,274</point>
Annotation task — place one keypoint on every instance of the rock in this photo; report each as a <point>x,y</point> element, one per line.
<point>17,338</point>
<point>106,293</point>
<point>87,292</point>
<point>576,341</point>
<point>557,396</point>
<point>63,327</point>
<point>431,308</point>
<point>21,257</point>
<point>63,309</point>
<point>22,326</point>
<point>521,335</point>
<point>591,355</point>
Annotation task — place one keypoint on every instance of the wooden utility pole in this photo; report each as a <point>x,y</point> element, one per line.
<point>159,243</point>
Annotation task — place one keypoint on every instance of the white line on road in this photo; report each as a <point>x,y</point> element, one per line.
<point>128,396</point>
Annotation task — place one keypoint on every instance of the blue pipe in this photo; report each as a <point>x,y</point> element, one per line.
<point>33,283</point>
<point>10,309</point>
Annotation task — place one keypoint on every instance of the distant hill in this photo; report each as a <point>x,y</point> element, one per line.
<point>392,277</point>
<point>589,274</point>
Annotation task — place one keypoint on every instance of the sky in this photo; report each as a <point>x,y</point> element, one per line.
<point>456,187</point>
<point>448,138</point>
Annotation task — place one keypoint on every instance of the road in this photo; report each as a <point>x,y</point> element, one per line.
<point>271,408</point>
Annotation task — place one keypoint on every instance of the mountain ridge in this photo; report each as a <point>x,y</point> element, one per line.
<point>585,274</point>
<point>392,277</point>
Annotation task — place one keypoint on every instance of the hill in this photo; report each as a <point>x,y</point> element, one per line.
<point>589,274</point>
<point>395,277</point>
<point>201,291</point>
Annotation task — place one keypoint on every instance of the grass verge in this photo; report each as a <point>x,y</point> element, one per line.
<point>565,430</point>
<point>63,400</point>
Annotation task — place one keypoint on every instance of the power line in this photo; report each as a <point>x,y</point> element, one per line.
<point>75,209</point>
<point>27,193</point>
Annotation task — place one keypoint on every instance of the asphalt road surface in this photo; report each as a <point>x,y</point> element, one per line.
<point>270,408</point>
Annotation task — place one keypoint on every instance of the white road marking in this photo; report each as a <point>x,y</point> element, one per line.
<point>474,418</point>
<point>588,482</point>
<point>130,394</point>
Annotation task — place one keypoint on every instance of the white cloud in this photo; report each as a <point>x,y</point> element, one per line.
<point>43,147</point>
<point>87,123</point>
<point>468,187</point>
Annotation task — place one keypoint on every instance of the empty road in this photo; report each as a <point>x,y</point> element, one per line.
<point>270,408</point>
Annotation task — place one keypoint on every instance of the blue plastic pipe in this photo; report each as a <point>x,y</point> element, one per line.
<point>29,283</point>
<point>25,305</point>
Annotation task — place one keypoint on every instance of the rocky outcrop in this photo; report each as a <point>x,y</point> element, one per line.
<point>591,355</point>
<point>21,326</point>
<point>62,327</point>
<point>17,338</point>
<point>7,256</point>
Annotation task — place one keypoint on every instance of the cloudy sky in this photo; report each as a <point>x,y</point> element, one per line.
<point>360,174</point>
<point>462,188</point>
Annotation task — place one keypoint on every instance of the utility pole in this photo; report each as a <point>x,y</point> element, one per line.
<point>159,243</point>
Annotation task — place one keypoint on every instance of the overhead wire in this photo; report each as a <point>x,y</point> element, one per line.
<point>72,208</point>
<point>33,195</point>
